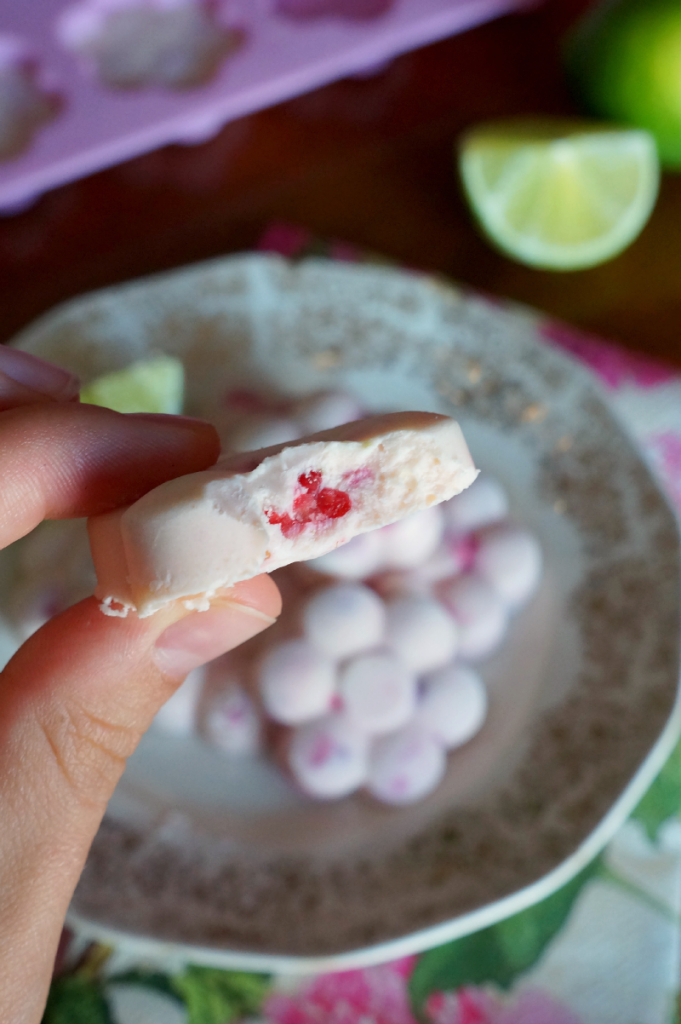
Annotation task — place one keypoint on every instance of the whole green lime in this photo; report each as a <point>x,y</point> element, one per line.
<point>624,63</point>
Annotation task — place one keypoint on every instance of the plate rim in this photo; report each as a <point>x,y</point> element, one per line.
<point>425,938</point>
<point>464,923</point>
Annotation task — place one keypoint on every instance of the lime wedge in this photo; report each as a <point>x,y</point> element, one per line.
<point>150,385</point>
<point>559,194</point>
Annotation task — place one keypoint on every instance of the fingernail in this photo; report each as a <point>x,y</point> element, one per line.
<point>202,636</point>
<point>189,425</point>
<point>38,375</point>
<point>166,419</point>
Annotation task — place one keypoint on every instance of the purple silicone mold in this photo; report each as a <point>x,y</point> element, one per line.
<point>359,9</point>
<point>134,75</point>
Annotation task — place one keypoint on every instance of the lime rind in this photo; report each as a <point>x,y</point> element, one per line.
<point>560,196</point>
<point>150,385</point>
<point>623,61</point>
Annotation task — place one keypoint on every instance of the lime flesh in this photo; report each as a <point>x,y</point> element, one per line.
<point>150,385</point>
<point>556,194</point>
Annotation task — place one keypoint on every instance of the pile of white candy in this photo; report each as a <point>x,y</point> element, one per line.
<point>366,682</point>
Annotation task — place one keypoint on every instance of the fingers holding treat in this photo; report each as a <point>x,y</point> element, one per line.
<point>74,703</point>
<point>62,459</point>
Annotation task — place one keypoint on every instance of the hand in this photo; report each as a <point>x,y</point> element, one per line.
<point>77,697</point>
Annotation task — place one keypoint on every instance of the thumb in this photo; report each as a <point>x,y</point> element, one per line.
<point>74,703</point>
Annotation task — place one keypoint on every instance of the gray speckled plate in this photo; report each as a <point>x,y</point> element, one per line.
<point>222,858</point>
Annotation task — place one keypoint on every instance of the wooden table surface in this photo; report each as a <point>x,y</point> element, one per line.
<point>369,161</point>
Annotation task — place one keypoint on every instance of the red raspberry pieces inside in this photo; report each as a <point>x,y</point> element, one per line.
<point>315,504</point>
<point>333,504</point>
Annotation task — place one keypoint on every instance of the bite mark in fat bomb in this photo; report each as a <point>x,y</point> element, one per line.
<point>258,511</point>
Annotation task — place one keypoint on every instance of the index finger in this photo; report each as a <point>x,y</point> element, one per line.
<point>60,460</point>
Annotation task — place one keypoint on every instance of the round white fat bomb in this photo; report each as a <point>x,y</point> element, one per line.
<point>378,693</point>
<point>9,643</point>
<point>453,705</point>
<point>420,580</point>
<point>344,619</point>
<point>177,717</point>
<point>406,765</point>
<point>256,432</point>
<point>360,557</point>
<point>510,559</point>
<point>297,682</point>
<point>421,632</point>
<point>481,504</point>
<point>446,561</point>
<point>396,583</point>
<point>413,539</point>
<point>328,757</point>
<point>326,410</point>
<point>481,615</point>
<point>232,723</point>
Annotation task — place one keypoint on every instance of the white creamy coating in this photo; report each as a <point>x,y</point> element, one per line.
<point>197,534</point>
<point>407,475</point>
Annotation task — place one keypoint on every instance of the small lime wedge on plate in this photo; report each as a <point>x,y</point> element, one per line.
<point>150,385</point>
<point>559,194</point>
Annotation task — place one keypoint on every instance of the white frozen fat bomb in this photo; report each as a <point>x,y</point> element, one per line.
<point>412,540</point>
<point>396,583</point>
<point>255,512</point>
<point>343,620</point>
<point>239,406</point>
<point>481,615</point>
<point>510,560</point>
<point>232,723</point>
<point>326,410</point>
<point>9,643</point>
<point>453,705</point>
<point>34,602</point>
<point>378,692</point>
<point>256,432</point>
<point>422,579</point>
<point>359,558</point>
<point>406,765</point>
<point>485,502</point>
<point>296,682</point>
<point>53,571</point>
<point>24,106</point>
<point>421,632</point>
<point>178,716</point>
<point>328,758</point>
<point>446,561</point>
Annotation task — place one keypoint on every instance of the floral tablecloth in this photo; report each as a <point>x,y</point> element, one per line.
<point>603,950</point>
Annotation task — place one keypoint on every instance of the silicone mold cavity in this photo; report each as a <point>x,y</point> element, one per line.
<point>356,9</point>
<point>25,104</point>
<point>133,44</point>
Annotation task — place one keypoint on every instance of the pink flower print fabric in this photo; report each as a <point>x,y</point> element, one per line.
<point>375,995</point>
<point>472,1005</point>
<point>614,365</point>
